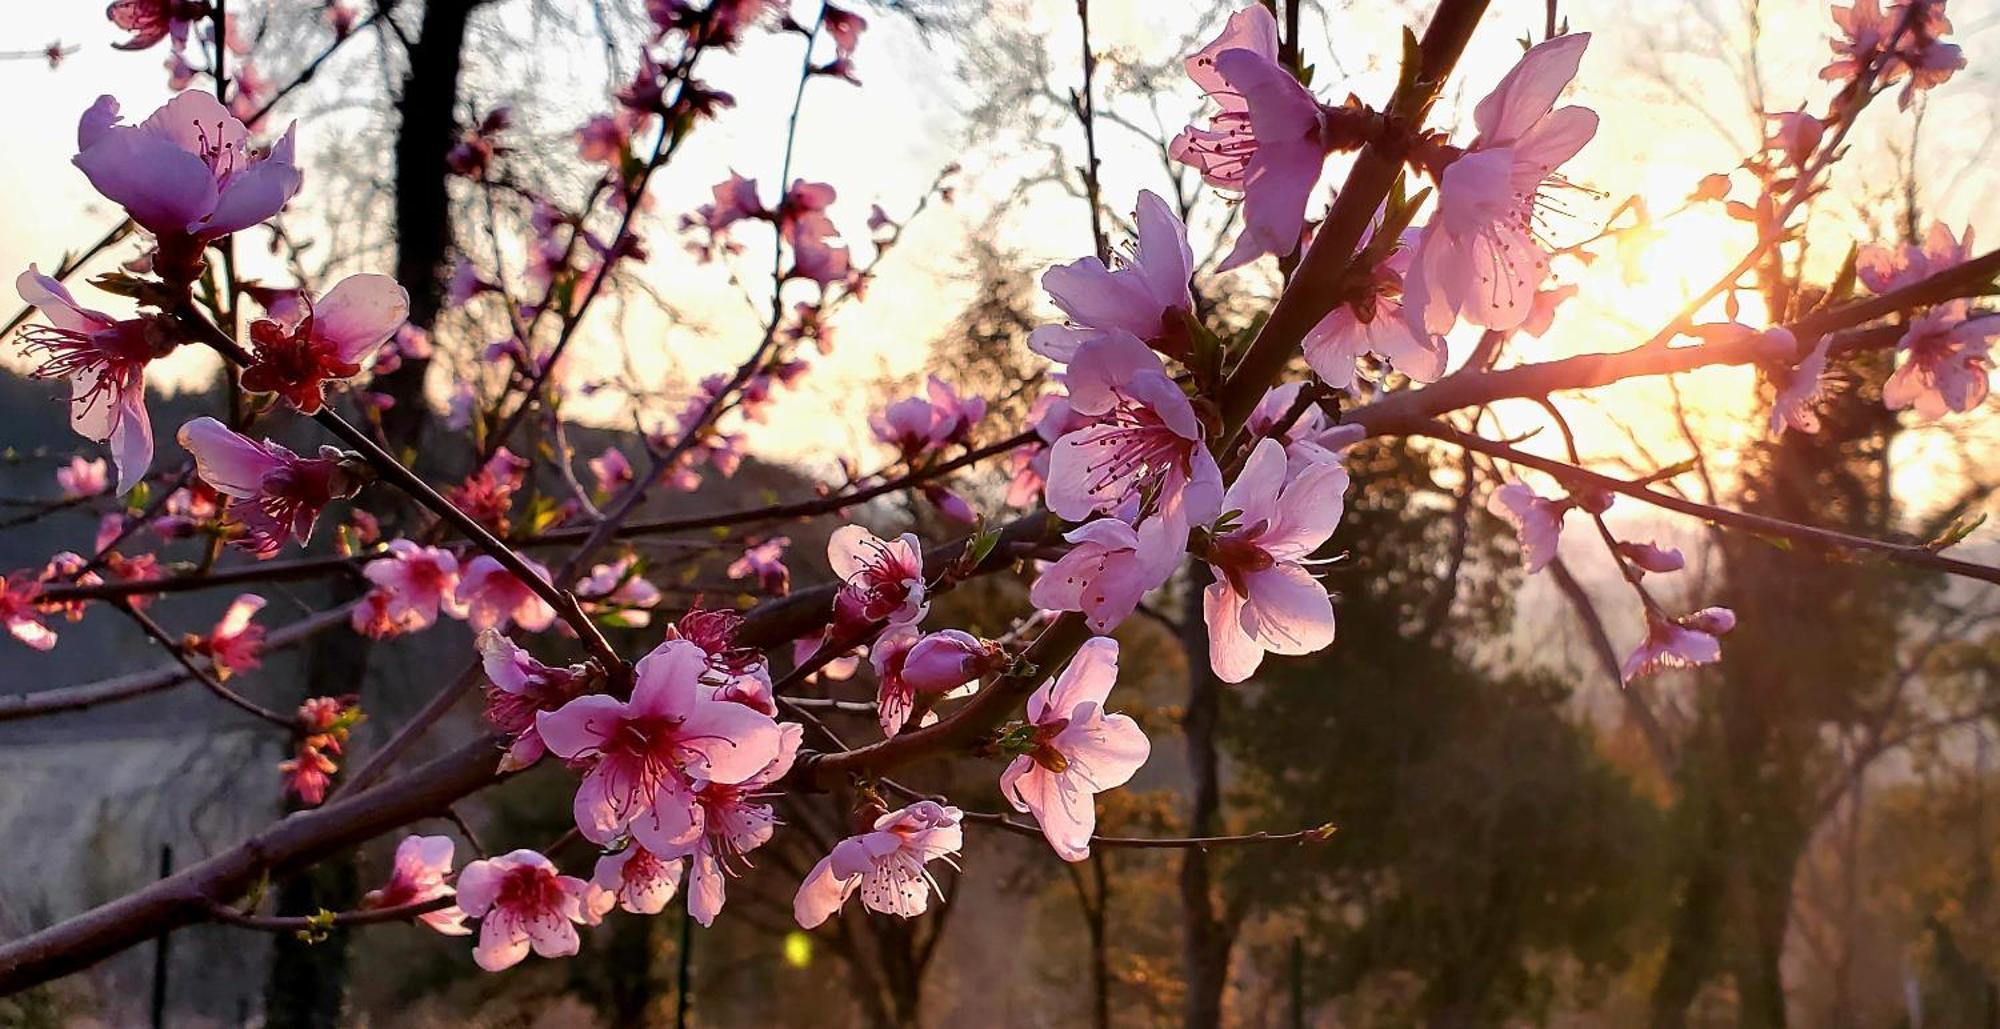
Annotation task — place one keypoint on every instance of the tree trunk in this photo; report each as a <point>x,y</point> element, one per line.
<point>1206,937</point>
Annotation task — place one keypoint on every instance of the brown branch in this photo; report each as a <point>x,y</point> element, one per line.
<point>307,923</point>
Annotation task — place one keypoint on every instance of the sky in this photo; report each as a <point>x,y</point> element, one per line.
<point>884,142</point>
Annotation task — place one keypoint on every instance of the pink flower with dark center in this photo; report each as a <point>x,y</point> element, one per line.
<point>487,495</point>
<point>494,598</point>
<point>642,881</point>
<point>1479,256</point>
<point>641,755</point>
<point>521,688</point>
<point>1147,295</point>
<point>905,425</point>
<point>956,414</point>
<point>1262,597</point>
<point>1537,519</point>
<point>736,818</point>
<point>521,902</point>
<point>1884,268</point>
<point>1074,751</point>
<point>1371,321</point>
<point>104,360</point>
<point>277,493</point>
<point>766,562</point>
<point>82,478</point>
<point>416,583</point>
<point>21,612</point>
<point>236,644</point>
<point>322,733</point>
<point>1799,387</point>
<point>885,864</point>
<point>1947,358</point>
<point>845,27</point>
<point>736,674</point>
<point>422,865</point>
<point>1682,642</point>
<point>330,340</point>
<point>883,580</point>
<point>150,21</point>
<point>1109,567</point>
<point>1141,437</point>
<point>612,471</point>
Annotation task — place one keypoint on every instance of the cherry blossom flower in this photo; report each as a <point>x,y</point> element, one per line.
<point>188,172</point>
<point>1263,598</point>
<point>1800,388</point>
<point>1371,321</point>
<point>519,688</point>
<point>882,580</point>
<point>236,644</point>
<point>905,425</point>
<point>278,494</point>
<point>104,360</point>
<point>1915,27</point>
<point>642,881</point>
<point>323,726</point>
<point>766,563</point>
<point>21,613</point>
<point>1140,436</point>
<point>886,864</point>
<point>1795,135</point>
<point>521,902</point>
<point>150,21</point>
<point>1147,295</point>
<point>736,818</point>
<point>612,471</point>
<point>1479,257</point>
<point>736,674</point>
<point>1947,357</point>
<point>1073,751</point>
<point>1268,141</point>
<point>487,495</point>
<point>329,340</point>
<point>1652,557</point>
<point>910,665</point>
<point>1108,568</point>
<point>1885,268</point>
<point>641,754</point>
<point>493,598</point>
<point>422,865</point>
<point>416,583</point>
<point>1682,642</point>
<point>1535,518</point>
<point>618,595</point>
<point>82,478</point>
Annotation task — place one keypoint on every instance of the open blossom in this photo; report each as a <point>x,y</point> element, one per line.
<point>487,495</point>
<point>1682,642</point>
<point>422,865</point>
<point>1140,436</point>
<point>886,864</point>
<point>1074,750</point>
<point>641,755</point>
<point>1268,141</point>
<point>104,360</point>
<point>521,902</point>
<point>736,818</point>
<point>494,598</point>
<point>882,580</point>
<point>1920,54</point>
<point>21,613</point>
<point>186,172</point>
<point>736,674</point>
<point>766,563</point>
<point>611,470</point>
<point>520,688</point>
<point>1479,257</point>
<point>416,583</point>
<point>1371,321</point>
<point>641,881</point>
<point>278,494</point>
<point>1263,598</point>
<point>82,478</point>
<point>150,21</point>
<point>1537,520</point>
<point>1800,387</point>
<point>327,340</point>
<point>1883,268</point>
<point>1947,358</point>
<point>1109,567</point>
<point>915,425</point>
<point>1147,295</point>
<point>236,644</point>
<point>618,594</point>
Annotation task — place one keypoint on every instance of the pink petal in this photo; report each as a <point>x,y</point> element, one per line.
<point>359,313</point>
<point>1530,89</point>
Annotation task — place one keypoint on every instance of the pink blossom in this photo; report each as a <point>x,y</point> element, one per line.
<point>642,881</point>
<point>1371,321</point>
<point>487,495</point>
<point>416,582</point>
<point>187,171</point>
<point>422,865</point>
<point>885,864</point>
<point>328,341</point>
<point>1479,256</point>
<point>1883,268</point>
<point>323,726</point>
<point>766,562</point>
<point>956,415</point>
<point>736,818</point>
<point>105,362</point>
<point>612,471</point>
<point>618,595</point>
<point>1916,27</point>
<point>1074,751</point>
<point>82,478</point>
<point>1682,642</point>
<point>905,425</point>
<point>1652,557</point>
<point>493,598</point>
<point>21,612</point>
<point>520,689</point>
<point>1795,135</point>
<point>521,902</point>
<point>1947,357</point>
<point>235,644</point>
<point>1140,436</point>
<point>150,21</point>
<point>604,139</point>
<point>1537,519</point>
<point>277,493</point>
<point>1147,295</point>
<point>910,665</point>
<point>641,755</point>
<point>1269,140</point>
<point>1109,567</point>
<point>882,580</point>
<point>1263,598</point>
<point>1800,387</point>
<point>845,27</point>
